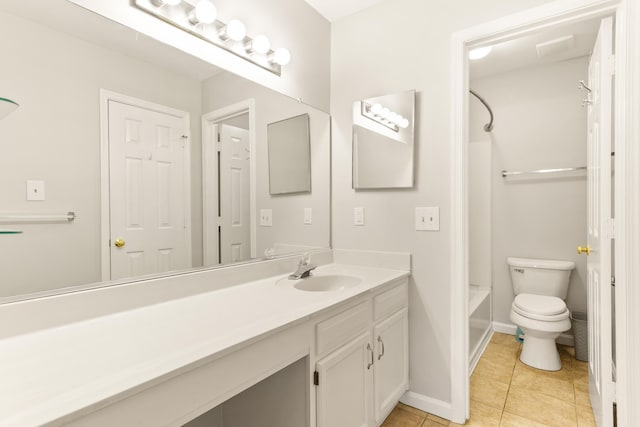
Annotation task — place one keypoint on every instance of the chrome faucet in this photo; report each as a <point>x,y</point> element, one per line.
<point>304,268</point>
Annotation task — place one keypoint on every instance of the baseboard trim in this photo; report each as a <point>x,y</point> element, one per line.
<point>427,404</point>
<point>508,328</point>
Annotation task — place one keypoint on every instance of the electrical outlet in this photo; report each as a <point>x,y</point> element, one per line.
<point>35,190</point>
<point>428,219</point>
<point>266,217</point>
<point>358,216</point>
<point>308,216</point>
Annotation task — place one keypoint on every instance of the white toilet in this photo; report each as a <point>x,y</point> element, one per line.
<point>538,309</point>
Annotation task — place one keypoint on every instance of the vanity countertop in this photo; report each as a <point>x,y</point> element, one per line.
<point>49,374</point>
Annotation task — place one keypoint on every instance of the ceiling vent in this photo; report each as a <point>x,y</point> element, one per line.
<point>556,46</point>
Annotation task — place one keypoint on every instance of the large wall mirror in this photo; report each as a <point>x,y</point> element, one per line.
<point>383,141</point>
<point>161,157</point>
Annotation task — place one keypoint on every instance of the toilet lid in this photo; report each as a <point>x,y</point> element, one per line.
<point>540,304</point>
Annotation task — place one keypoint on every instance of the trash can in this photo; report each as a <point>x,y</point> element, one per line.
<point>580,336</point>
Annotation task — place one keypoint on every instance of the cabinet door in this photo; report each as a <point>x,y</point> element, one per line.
<point>391,370</point>
<point>344,385</point>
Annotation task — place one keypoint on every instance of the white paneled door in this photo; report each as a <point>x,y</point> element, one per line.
<point>600,226</point>
<point>148,191</point>
<point>235,227</point>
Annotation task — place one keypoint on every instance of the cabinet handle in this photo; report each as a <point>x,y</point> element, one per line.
<point>369,365</point>
<point>381,346</point>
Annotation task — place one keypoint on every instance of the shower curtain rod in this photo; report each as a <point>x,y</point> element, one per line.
<point>489,126</point>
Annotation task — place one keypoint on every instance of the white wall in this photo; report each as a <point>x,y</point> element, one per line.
<point>288,228</point>
<point>55,136</point>
<point>393,46</point>
<point>288,23</point>
<point>539,124</point>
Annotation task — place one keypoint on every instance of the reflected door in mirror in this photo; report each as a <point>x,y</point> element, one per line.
<point>234,202</point>
<point>149,211</point>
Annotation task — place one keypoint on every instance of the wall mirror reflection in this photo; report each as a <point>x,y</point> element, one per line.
<point>289,156</point>
<point>162,157</point>
<point>383,141</point>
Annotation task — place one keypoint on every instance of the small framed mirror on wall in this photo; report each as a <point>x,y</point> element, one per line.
<point>289,156</point>
<point>383,141</point>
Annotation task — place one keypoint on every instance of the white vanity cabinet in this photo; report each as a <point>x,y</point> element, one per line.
<point>362,366</point>
<point>255,345</point>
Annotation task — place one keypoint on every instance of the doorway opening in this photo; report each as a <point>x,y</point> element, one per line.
<point>540,20</point>
<point>229,184</point>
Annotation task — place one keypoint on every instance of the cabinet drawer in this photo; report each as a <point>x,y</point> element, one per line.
<point>391,301</point>
<point>342,327</point>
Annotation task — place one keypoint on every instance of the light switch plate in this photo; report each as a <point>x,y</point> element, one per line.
<point>35,190</point>
<point>308,216</point>
<point>428,219</point>
<point>358,216</point>
<point>266,217</point>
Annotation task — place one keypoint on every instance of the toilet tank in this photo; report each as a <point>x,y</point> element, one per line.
<point>540,276</point>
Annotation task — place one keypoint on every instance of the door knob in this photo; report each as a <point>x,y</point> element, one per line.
<point>119,243</point>
<point>584,250</point>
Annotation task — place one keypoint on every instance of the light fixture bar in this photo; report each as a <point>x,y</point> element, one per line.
<point>181,16</point>
<point>367,111</point>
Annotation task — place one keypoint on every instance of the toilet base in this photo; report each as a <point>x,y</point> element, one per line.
<point>540,353</point>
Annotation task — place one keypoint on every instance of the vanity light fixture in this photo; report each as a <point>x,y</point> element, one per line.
<point>260,44</point>
<point>384,116</point>
<point>281,56</point>
<point>199,18</point>
<point>204,13</point>
<point>234,30</point>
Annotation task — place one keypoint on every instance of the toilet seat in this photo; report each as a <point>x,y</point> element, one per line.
<point>540,307</point>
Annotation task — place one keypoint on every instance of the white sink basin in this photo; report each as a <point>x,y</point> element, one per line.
<point>324,283</point>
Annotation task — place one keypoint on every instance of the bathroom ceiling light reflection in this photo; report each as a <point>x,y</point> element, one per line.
<point>201,21</point>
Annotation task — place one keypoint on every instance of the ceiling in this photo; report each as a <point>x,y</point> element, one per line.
<point>337,9</point>
<point>521,52</point>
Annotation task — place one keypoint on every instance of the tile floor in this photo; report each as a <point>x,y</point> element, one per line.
<point>506,392</point>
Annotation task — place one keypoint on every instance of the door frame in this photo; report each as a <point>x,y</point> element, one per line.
<point>627,186</point>
<point>247,106</point>
<point>105,190</point>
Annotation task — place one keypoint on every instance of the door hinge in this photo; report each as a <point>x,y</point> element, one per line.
<point>316,378</point>
<point>613,281</point>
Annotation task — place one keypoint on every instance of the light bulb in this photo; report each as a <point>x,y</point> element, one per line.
<point>234,30</point>
<point>259,44</point>
<point>398,119</point>
<point>160,3</point>
<point>281,56</point>
<point>392,117</point>
<point>480,52</point>
<point>404,124</point>
<point>204,13</point>
<point>384,113</point>
<point>376,108</point>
